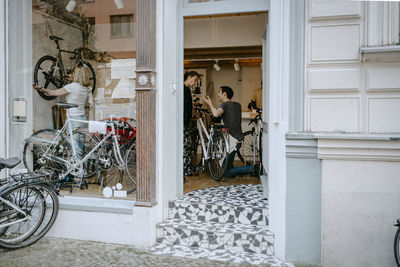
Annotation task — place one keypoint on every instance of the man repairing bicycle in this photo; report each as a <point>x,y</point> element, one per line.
<point>231,114</point>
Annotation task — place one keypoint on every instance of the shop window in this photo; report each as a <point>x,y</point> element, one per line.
<point>46,46</point>
<point>121,26</point>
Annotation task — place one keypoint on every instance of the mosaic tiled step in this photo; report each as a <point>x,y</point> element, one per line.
<point>181,209</point>
<point>218,255</point>
<point>243,204</point>
<point>233,237</point>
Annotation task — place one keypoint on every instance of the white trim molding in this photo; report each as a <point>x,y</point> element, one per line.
<point>359,147</point>
<point>301,145</point>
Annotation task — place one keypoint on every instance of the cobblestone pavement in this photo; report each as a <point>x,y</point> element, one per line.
<point>67,252</point>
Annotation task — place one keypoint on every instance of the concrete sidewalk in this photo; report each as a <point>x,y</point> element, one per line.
<point>68,252</point>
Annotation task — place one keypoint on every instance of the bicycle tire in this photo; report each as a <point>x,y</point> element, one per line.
<point>48,75</point>
<point>45,224</point>
<point>130,164</point>
<point>249,149</point>
<point>92,75</point>
<point>396,247</point>
<point>37,149</point>
<point>217,163</point>
<point>110,173</point>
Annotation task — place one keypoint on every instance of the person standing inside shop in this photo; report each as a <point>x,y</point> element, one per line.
<point>190,79</point>
<point>231,113</point>
<point>76,92</point>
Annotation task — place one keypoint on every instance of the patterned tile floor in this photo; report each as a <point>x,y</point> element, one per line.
<point>246,195</point>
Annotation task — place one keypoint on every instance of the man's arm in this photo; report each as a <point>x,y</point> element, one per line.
<point>58,92</point>
<point>216,112</point>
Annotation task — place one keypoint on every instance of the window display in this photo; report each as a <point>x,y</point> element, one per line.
<point>84,107</point>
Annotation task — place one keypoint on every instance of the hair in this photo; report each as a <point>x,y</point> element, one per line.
<point>190,74</point>
<point>228,91</point>
<point>80,76</point>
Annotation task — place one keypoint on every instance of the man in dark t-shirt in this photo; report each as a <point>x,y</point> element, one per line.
<point>231,113</point>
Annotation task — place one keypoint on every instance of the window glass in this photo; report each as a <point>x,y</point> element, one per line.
<point>68,49</point>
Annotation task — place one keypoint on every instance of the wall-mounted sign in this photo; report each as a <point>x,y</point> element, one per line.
<point>19,110</point>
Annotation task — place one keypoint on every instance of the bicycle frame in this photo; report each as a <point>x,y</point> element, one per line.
<point>206,148</point>
<point>68,128</point>
<point>10,204</point>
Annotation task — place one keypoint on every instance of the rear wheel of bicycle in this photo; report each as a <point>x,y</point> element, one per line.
<point>36,146</point>
<point>48,74</point>
<point>110,172</point>
<point>217,163</point>
<point>40,202</point>
<point>397,246</point>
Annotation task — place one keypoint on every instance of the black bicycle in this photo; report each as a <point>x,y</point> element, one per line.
<point>28,206</point>
<point>51,74</point>
<point>397,243</point>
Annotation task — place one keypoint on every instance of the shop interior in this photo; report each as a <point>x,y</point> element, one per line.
<point>224,50</point>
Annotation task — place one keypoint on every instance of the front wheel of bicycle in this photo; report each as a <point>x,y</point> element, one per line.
<point>397,246</point>
<point>40,202</point>
<point>89,73</point>
<point>111,172</point>
<point>48,74</point>
<point>130,164</point>
<point>217,163</point>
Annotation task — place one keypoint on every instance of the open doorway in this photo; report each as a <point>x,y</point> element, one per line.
<point>225,50</point>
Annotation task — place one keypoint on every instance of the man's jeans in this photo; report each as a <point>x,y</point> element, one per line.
<point>234,171</point>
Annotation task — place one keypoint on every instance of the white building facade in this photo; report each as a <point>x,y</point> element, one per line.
<point>332,132</point>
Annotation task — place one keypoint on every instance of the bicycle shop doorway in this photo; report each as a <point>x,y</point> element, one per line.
<point>224,50</point>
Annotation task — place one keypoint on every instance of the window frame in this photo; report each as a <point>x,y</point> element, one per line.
<point>132,30</point>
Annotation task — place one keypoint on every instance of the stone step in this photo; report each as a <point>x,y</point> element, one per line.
<point>230,257</point>
<point>243,204</point>
<point>211,235</point>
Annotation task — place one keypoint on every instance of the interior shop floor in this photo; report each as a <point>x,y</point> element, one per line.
<point>195,182</point>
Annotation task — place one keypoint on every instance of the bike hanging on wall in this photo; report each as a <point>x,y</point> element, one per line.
<point>51,74</point>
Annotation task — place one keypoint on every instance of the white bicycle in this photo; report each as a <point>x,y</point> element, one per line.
<point>99,153</point>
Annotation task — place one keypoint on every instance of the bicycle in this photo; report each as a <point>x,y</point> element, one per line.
<point>214,145</point>
<point>252,144</point>
<point>28,206</point>
<point>50,70</point>
<point>57,151</point>
<point>396,244</point>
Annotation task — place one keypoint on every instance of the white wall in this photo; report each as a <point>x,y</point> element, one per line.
<point>361,202</point>
<point>224,31</point>
<point>347,91</point>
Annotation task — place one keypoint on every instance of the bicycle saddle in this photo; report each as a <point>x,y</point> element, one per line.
<point>53,37</point>
<point>9,163</point>
<point>66,105</point>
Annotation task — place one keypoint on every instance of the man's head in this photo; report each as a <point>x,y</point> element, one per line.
<point>79,75</point>
<point>225,93</point>
<point>191,78</point>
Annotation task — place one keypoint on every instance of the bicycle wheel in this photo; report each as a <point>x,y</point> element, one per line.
<point>36,146</point>
<point>40,202</point>
<point>397,246</point>
<point>218,154</point>
<point>110,172</point>
<point>89,141</point>
<point>250,148</point>
<point>197,151</point>
<point>89,72</point>
<point>48,74</point>
<point>130,164</point>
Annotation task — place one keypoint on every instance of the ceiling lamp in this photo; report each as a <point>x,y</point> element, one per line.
<point>71,5</point>
<point>236,65</point>
<point>216,66</point>
<point>119,3</point>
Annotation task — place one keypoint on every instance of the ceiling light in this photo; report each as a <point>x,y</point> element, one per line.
<point>71,5</point>
<point>119,3</point>
<point>216,66</point>
<point>236,65</point>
